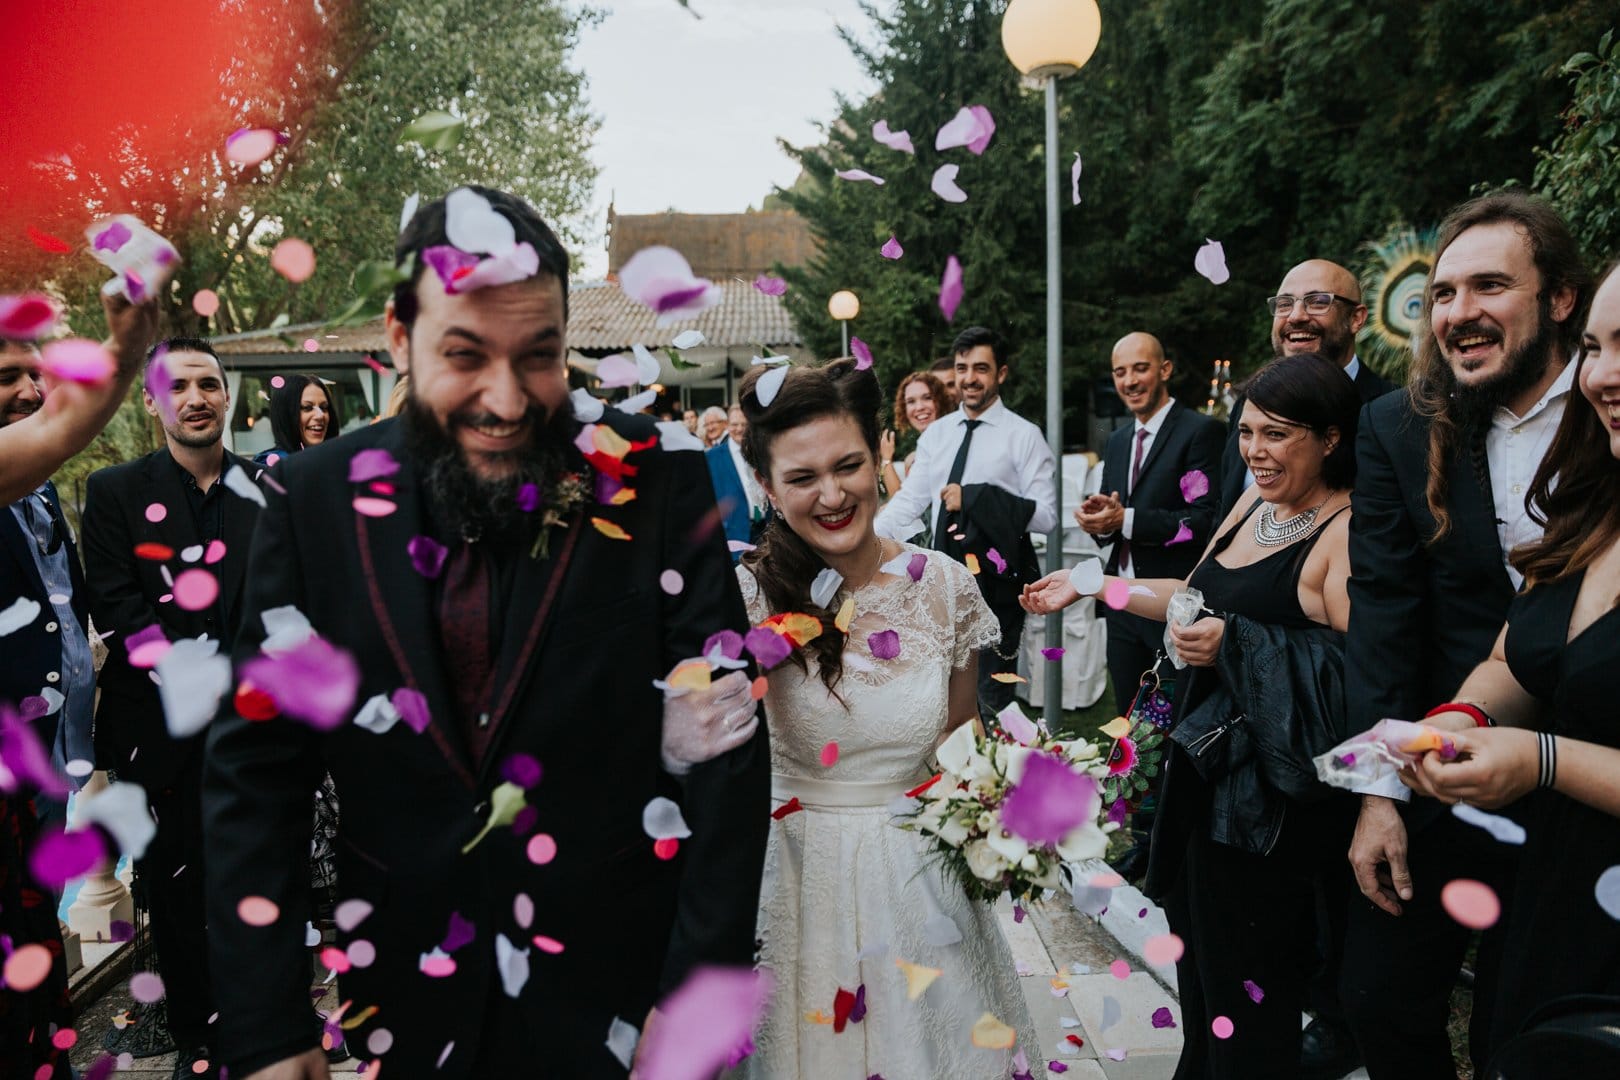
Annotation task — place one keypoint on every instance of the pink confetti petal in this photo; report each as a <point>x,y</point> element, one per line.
<point>1120,970</point>
<point>1049,801</point>
<point>894,140</point>
<point>412,707</point>
<point>314,681</point>
<point>950,288</point>
<point>215,552</point>
<point>703,1021</point>
<point>250,146</point>
<point>996,560</point>
<point>660,278</point>
<point>26,317</point>
<point>885,644</point>
<point>156,512</point>
<point>195,590</point>
<point>541,849</point>
<point>1161,950</point>
<point>293,259</point>
<point>944,184</point>
<point>892,249</point>
<point>372,464</point>
<point>79,361</point>
<point>972,127</point>
<point>205,302</point>
<point>859,174</point>
<point>373,507</point>
<point>1183,534</point>
<point>146,987</point>
<point>829,754</point>
<point>351,913</point>
<point>861,352</point>
<point>27,967</point>
<point>1211,262</point>
<point>770,286</point>
<point>671,582</point>
<point>1472,903</point>
<point>257,910</point>
<point>548,944</point>
<point>1221,1027</point>
<point>1194,485</point>
<point>436,965</point>
<point>1116,594</point>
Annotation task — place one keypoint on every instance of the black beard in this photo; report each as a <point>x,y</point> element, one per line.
<point>466,506</point>
<point>1473,407</point>
<point>1335,343</point>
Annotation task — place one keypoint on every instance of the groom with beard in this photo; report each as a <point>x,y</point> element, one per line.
<point>509,783</point>
<point>1442,473</point>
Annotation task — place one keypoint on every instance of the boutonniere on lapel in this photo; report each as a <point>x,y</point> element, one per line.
<point>565,492</point>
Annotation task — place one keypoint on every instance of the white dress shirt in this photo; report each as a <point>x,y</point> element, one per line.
<point>1007,451</point>
<point>1514,447</point>
<point>745,473</point>
<point>1151,426</point>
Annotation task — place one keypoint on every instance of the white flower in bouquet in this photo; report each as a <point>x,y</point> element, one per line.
<point>1084,842</point>
<point>960,755</point>
<point>1012,757</point>
<point>983,860</point>
<point>1008,846</point>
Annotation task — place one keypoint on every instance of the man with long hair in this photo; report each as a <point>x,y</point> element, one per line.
<point>1443,472</point>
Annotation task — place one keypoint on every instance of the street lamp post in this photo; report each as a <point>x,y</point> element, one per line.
<point>844,305</point>
<point>1049,40</point>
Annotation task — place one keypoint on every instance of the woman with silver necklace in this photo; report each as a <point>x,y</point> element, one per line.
<point>1244,834</point>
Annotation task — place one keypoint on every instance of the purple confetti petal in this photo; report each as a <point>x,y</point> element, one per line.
<point>1048,801</point>
<point>1053,655</point>
<point>728,642</point>
<point>861,352</point>
<point>58,857</point>
<point>427,556</point>
<point>449,263</point>
<point>521,769</point>
<point>950,288</point>
<point>857,1011</point>
<point>461,932</point>
<point>314,682</point>
<point>892,249</point>
<point>373,464</point>
<point>767,646</point>
<point>996,560</point>
<point>1256,994</point>
<point>1183,534</point>
<point>1194,485</point>
<point>703,1022</point>
<point>412,707</point>
<point>528,498</point>
<point>770,286</point>
<point>1162,1017</point>
<point>885,644</point>
<point>915,567</point>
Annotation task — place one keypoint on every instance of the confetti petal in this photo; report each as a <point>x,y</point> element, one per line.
<point>892,249</point>
<point>238,483</point>
<point>660,278</point>
<point>1504,829</point>
<point>293,259</point>
<point>918,977</point>
<point>885,644</point>
<point>688,339</point>
<point>829,754</point>
<point>427,556</point>
<point>861,352</point>
<point>314,682</point>
<point>1117,594</point>
<point>1015,723</point>
<point>769,384</point>
<point>770,286</point>
<point>1162,950</point>
<point>950,288</point>
<point>1087,577</point>
<point>825,587</point>
<point>60,856</point>
<point>1163,1018</point>
<point>846,614</point>
<point>250,146</point>
<point>944,184</point>
<point>972,127</point>
<point>1252,988</point>
<point>195,589</point>
<point>661,819</point>
<point>894,140</point>
<point>1183,534</point>
<point>1194,485</point>
<point>1211,262</point>
<point>1607,891</point>
<point>257,911</point>
<point>75,360</point>
<point>703,1022</point>
<point>513,964</point>
<point>27,967</point>
<point>859,174</point>
<point>767,646</point>
<point>47,242</point>
<point>193,678</point>
<point>1049,801</point>
<point>371,464</point>
<point>26,317</point>
<point>1074,180</point>
<point>1221,1027</point>
<point>941,930</point>
<point>121,809</point>
<point>21,613</point>
<point>1472,903</point>
<point>991,1034</point>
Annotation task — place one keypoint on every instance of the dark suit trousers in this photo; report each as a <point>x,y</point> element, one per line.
<point>993,695</point>
<point>1244,917</point>
<point>1399,971</point>
<point>570,1042</point>
<point>172,877</point>
<point>1133,642</point>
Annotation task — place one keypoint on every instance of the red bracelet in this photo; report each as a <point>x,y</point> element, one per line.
<point>1481,717</point>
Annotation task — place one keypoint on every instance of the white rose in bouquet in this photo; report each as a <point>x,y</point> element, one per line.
<point>1017,757</point>
<point>953,830</point>
<point>983,860</point>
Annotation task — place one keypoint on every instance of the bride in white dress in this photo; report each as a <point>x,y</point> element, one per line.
<point>850,901</point>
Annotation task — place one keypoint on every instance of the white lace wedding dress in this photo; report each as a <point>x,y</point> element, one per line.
<point>846,893</point>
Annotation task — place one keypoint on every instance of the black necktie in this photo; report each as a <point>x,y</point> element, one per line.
<point>958,466</point>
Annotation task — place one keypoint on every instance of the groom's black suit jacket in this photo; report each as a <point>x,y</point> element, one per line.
<point>579,654</point>
<point>1422,615</point>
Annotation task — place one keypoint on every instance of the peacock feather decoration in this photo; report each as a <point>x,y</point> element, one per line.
<point>1395,273</point>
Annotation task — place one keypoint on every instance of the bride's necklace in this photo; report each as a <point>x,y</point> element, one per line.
<point>875,568</point>
<point>1269,532</point>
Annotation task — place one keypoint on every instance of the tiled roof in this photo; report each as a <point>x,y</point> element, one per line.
<point>600,318</point>
<point>716,246</point>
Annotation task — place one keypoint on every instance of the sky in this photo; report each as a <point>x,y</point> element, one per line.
<point>691,108</point>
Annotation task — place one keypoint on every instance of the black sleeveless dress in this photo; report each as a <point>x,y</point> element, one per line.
<point>1559,940</point>
<point>1247,921</point>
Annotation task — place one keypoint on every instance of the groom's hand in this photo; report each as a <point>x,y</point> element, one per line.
<point>700,725</point>
<point>310,1065</point>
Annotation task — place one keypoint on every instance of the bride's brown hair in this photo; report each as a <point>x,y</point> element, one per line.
<point>783,564</point>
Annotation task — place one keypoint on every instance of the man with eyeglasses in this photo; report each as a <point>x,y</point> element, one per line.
<point>1317,309</point>
<point>48,674</point>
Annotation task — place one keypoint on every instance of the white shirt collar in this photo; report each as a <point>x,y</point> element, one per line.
<point>1156,421</point>
<point>997,409</point>
<point>1560,387</point>
<point>1353,368</point>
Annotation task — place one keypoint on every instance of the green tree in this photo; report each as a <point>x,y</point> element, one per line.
<point>1580,172</point>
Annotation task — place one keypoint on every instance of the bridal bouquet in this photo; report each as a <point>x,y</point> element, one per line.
<point>1008,810</point>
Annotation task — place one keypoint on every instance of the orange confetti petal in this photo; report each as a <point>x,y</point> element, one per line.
<point>622,496</point>
<point>796,626</point>
<point>972,561</point>
<point>991,1034</point>
<point>757,689</point>
<point>918,978</point>
<point>690,675</point>
<point>1117,728</point>
<point>609,442</point>
<point>609,530</point>
<point>816,1016</point>
<point>846,615</point>
<point>1008,677</point>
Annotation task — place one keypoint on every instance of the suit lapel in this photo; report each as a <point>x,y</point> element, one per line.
<point>21,547</point>
<point>1160,441</point>
<point>528,617</point>
<point>1473,513</point>
<point>240,519</point>
<point>402,603</point>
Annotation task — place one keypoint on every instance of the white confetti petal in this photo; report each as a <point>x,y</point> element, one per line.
<point>239,484</point>
<point>476,227</point>
<point>192,553</point>
<point>621,1041</point>
<point>21,613</point>
<point>377,715</point>
<point>120,808</point>
<point>1608,891</point>
<point>689,339</point>
<point>285,628</point>
<point>769,383</point>
<point>312,936</point>
<point>672,435</point>
<point>1211,262</point>
<point>941,929</point>
<point>53,699</point>
<point>894,140</point>
<point>944,184</point>
<point>1087,577</point>
<point>635,403</point>
<point>351,913</point>
<point>1504,829</point>
<point>409,211</point>
<point>513,963</point>
<point>1074,180</point>
<point>588,409</point>
<point>646,365</point>
<point>825,587</point>
<point>859,174</point>
<point>662,820</point>
<point>1111,1012</point>
<point>873,951</point>
<point>193,679</point>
